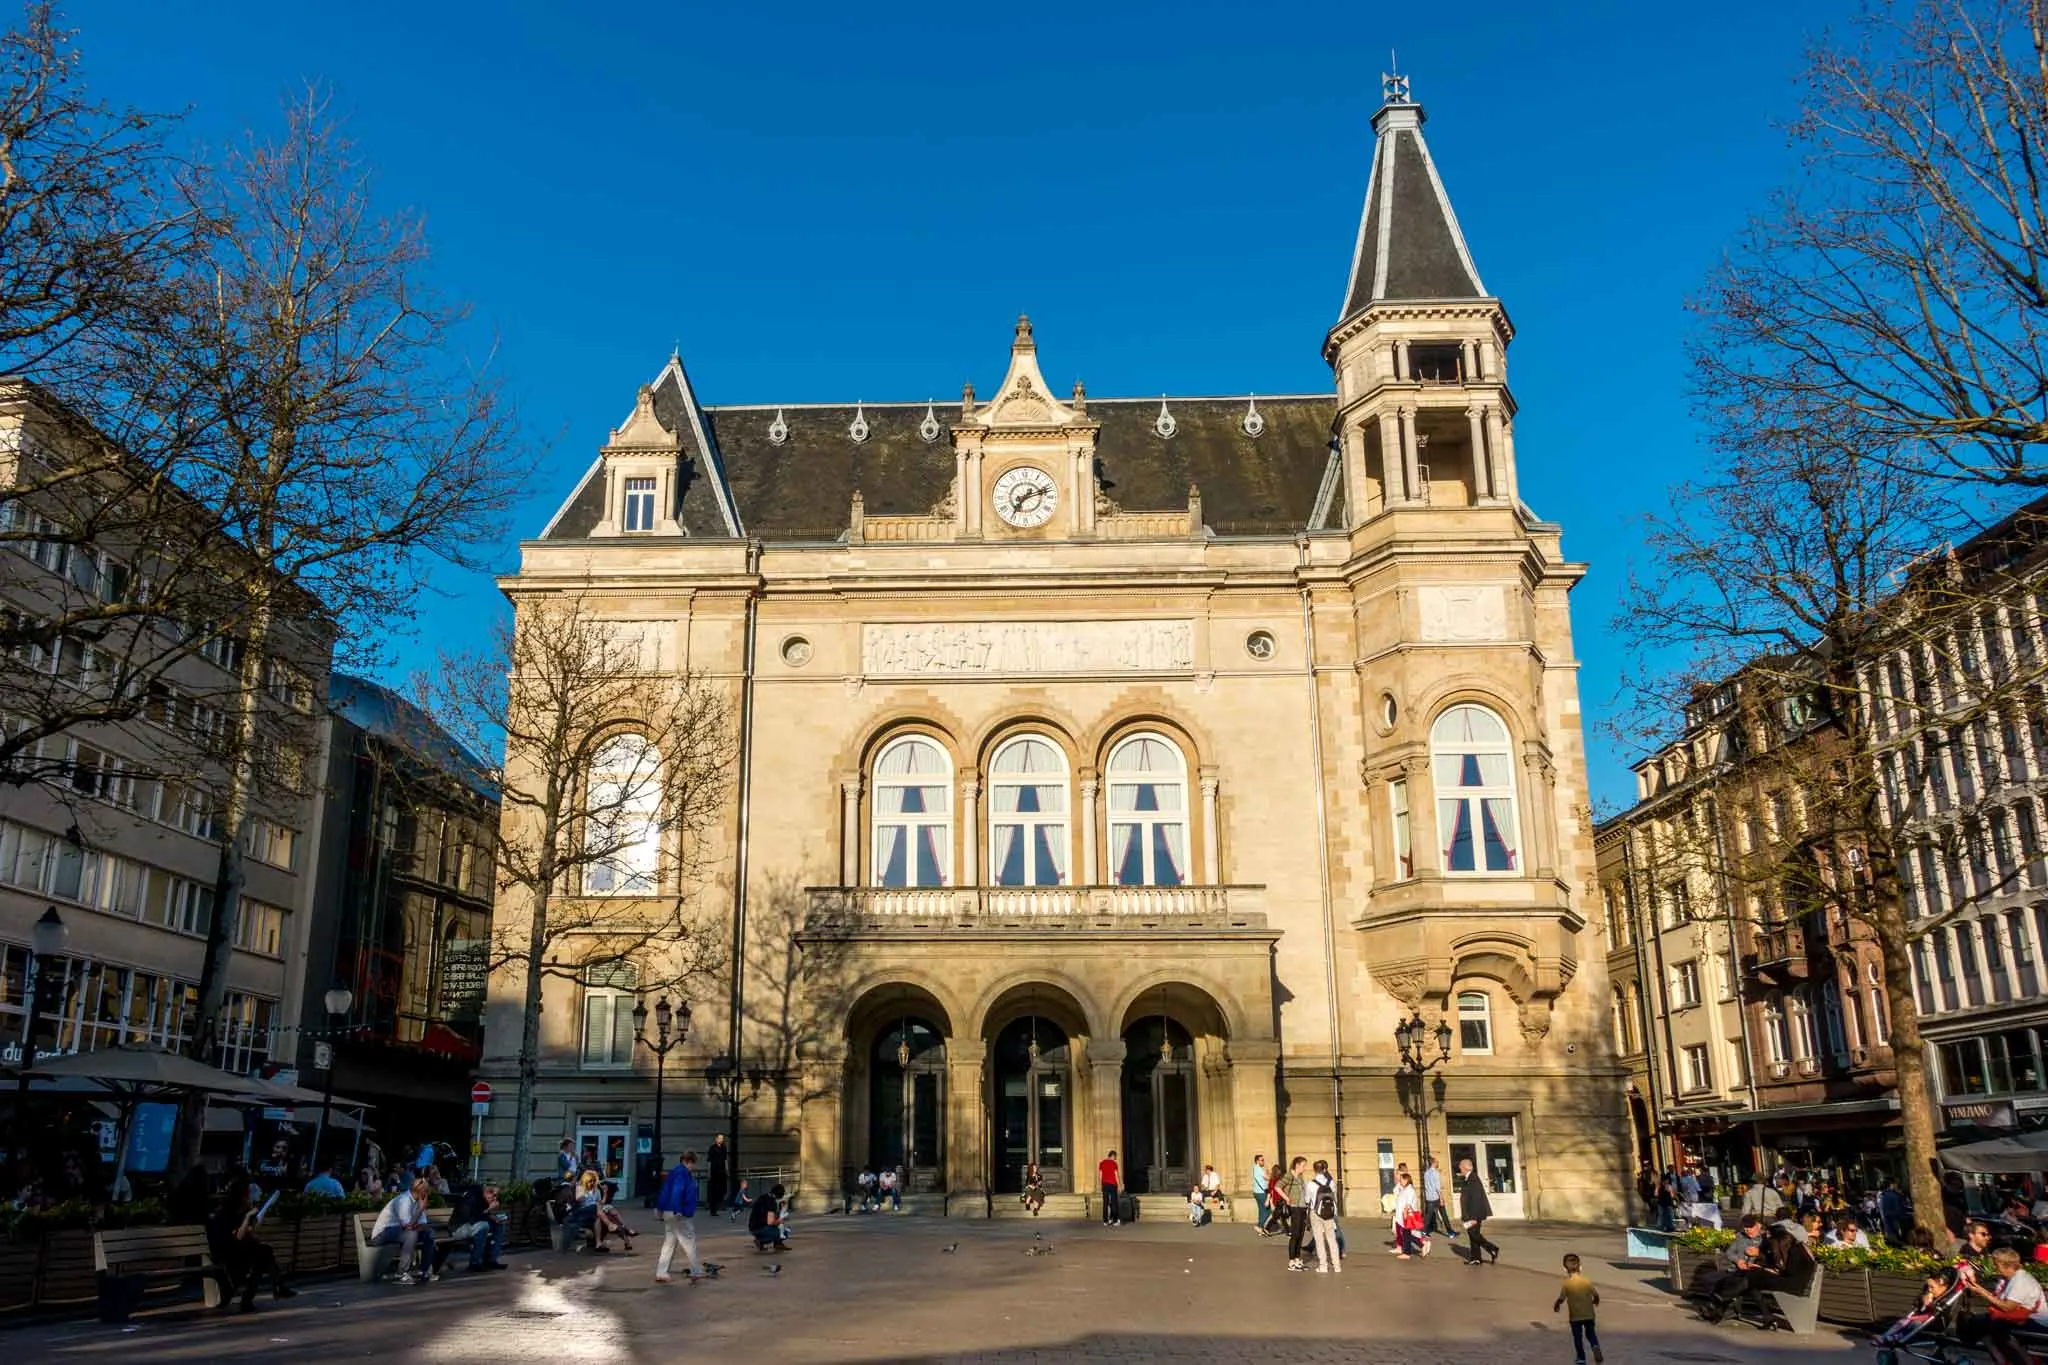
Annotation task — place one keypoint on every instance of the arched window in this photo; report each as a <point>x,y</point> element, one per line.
<point>1475,1024</point>
<point>1027,814</point>
<point>1148,812</point>
<point>1475,791</point>
<point>622,819</point>
<point>1777,1039</point>
<point>913,814</point>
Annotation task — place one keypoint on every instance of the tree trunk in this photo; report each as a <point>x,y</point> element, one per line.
<point>529,1040</point>
<point>228,878</point>
<point>1916,1105</point>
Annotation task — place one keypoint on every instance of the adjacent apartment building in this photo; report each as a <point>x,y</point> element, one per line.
<point>115,824</point>
<point>1959,726</point>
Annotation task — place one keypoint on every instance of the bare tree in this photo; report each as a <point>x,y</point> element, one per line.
<point>1903,280</point>
<point>614,775</point>
<point>313,389</point>
<point>88,228</point>
<point>1789,587</point>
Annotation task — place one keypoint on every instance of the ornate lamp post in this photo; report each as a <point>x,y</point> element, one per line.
<point>46,942</point>
<point>338,1000</point>
<point>1412,1036</point>
<point>665,1019</point>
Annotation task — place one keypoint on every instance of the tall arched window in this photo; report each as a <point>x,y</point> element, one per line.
<point>913,805</point>
<point>1475,791</point>
<point>1027,814</point>
<point>622,819</point>
<point>1148,812</point>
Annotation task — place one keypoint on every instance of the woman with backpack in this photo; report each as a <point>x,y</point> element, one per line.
<point>1322,1220</point>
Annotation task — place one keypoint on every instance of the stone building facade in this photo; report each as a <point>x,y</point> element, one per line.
<point>1117,773</point>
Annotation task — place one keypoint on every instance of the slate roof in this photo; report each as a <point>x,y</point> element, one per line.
<point>803,488</point>
<point>377,710</point>
<point>1409,247</point>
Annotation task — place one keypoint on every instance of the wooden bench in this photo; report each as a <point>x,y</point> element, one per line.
<point>129,1260</point>
<point>373,1260</point>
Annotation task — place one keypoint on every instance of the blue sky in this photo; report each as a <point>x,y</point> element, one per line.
<point>829,202</point>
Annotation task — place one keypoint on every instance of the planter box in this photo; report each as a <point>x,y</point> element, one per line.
<point>1845,1297</point>
<point>317,1243</point>
<point>1892,1295</point>
<point>18,1263</point>
<point>68,1274</point>
<point>1686,1266</point>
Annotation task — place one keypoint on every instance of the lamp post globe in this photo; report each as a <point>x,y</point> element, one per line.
<point>50,934</point>
<point>338,999</point>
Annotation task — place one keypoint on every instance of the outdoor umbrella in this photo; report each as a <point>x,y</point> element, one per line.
<point>134,1074</point>
<point>2021,1155</point>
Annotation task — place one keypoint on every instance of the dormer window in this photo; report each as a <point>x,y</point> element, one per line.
<point>638,513</point>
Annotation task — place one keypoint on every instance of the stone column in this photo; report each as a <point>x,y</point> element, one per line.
<point>1356,503</point>
<point>1489,362</point>
<point>1216,1139</point>
<point>1105,1127</point>
<point>823,1080</point>
<point>1212,852</point>
<point>1497,454</point>
<point>1089,788</point>
<point>1401,366</point>
<point>849,831</point>
<point>1411,458</point>
<point>971,492</point>
<point>1393,463</point>
<point>1254,1106</point>
<point>970,829</point>
<point>966,1124</point>
<point>1482,473</point>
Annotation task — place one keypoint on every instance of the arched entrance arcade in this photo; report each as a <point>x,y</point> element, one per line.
<point>1175,1090</point>
<point>895,1090</point>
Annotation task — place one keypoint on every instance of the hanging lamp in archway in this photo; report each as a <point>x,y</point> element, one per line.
<point>1165,1039</point>
<point>1031,1047</point>
<point>903,1043</point>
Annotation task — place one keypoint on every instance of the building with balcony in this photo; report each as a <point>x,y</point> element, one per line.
<point>1117,773</point>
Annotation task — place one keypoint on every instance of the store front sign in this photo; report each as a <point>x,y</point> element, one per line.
<point>1983,1113</point>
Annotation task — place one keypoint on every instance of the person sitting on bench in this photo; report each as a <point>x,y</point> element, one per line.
<point>764,1221</point>
<point>404,1221</point>
<point>1721,1287</point>
<point>231,1238</point>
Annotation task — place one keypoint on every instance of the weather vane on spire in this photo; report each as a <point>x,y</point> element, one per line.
<point>1393,85</point>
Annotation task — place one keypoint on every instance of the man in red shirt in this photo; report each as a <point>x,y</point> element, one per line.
<point>1107,1168</point>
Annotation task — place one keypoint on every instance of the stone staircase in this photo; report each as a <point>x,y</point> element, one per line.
<point>1058,1208</point>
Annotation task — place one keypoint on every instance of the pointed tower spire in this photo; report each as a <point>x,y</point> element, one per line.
<point>1409,244</point>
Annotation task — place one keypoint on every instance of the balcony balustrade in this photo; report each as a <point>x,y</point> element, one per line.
<point>1123,908</point>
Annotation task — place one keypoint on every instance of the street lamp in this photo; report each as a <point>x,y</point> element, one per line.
<point>1412,1037</point>
<point>660,1045</point>
<point>337,1000</point>
<point>46,941</point>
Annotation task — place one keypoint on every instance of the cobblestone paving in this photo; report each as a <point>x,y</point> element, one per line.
<point>885,1289</point>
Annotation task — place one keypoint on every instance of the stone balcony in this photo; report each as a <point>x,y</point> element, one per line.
<point>1082,909</point>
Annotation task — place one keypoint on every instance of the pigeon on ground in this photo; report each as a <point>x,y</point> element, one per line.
<point>773,1268</point>
<point>950,1247</point>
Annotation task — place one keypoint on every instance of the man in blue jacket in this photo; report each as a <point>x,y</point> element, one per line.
<point>677,1204</point>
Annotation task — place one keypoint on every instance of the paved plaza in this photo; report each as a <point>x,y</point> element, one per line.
<point>884,1289</point>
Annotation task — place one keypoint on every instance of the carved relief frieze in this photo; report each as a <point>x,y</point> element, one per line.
<point>1455,613</point>
<point>1026,648</point>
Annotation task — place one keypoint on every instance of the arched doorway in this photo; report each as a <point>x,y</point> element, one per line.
<point>907,1103</point>
<point>1159,1107</point>
<point>1033,1110</point>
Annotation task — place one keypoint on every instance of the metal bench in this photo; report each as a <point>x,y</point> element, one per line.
<point>129,1260</point>
<point>1800,1311</point>
<point>372,1260</point>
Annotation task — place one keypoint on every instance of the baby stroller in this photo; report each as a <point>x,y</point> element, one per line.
<point>1928,1332</point>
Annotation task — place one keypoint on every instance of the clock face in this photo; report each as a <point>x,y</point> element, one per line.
<point>1026,497</point>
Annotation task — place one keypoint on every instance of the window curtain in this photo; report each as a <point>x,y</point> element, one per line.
<point>1126,855</point>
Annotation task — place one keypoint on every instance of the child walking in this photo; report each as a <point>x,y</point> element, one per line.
<point>1578,1291</point>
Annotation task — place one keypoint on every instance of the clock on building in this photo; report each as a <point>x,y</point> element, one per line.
<point>1026,496</point>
